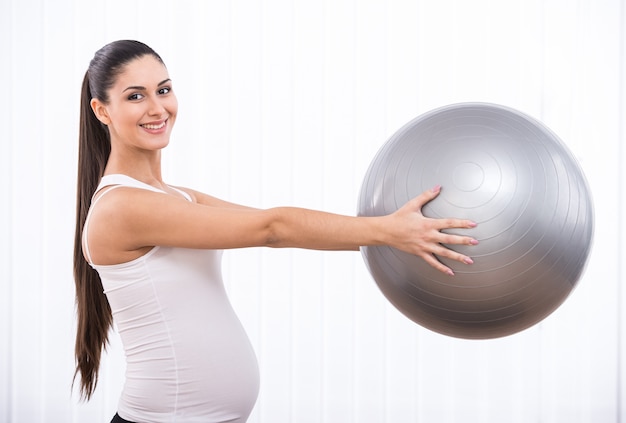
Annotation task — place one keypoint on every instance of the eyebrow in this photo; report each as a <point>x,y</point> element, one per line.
<point>140,88</point>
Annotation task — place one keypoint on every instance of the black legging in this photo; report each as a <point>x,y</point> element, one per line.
<point>118,419</point>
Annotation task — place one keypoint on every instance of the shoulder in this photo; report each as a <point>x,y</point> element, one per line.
<point>124,219</point>
<point>127,205</point>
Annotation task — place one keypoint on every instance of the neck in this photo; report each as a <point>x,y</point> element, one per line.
<point>143,167</point>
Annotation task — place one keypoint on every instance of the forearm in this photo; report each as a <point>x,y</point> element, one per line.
<point>311,229</point>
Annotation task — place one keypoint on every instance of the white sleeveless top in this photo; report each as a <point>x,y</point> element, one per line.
<point>188,356</point>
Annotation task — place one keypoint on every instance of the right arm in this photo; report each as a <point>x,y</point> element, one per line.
<point>138,219</point>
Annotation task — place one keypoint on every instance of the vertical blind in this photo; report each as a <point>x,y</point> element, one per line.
<point>285,102</point>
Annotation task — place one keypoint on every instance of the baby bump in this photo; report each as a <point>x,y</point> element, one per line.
<point>212,376</point>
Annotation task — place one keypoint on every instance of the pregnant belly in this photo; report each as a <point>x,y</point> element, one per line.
<point>205,374</point>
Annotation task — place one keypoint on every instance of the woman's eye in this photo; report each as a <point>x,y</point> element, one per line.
<point>135,96</point>
<point>165,90</point>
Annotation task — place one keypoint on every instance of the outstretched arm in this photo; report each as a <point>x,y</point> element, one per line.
<point>137,219</point>
<point>407,229</point>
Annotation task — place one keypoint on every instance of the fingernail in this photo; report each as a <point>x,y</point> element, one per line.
<point>474,242</point>
<point>436,188</point>
<point>469,261</point>
<point>473,224</point>
<point>450,272</point>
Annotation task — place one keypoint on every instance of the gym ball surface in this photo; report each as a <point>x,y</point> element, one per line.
<point>516,179</point>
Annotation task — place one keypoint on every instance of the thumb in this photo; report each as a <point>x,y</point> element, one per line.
<point>426,196</point>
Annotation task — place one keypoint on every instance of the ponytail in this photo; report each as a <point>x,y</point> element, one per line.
<point>93,310</point>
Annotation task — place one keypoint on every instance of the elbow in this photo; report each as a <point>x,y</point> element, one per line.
<point>273,235</point>
<point>273,242</point>
<point>283,228</point>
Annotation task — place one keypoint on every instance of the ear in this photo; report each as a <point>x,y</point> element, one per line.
<point>100,110</point>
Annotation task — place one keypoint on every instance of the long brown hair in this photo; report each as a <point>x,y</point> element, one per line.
<point>93,310</point>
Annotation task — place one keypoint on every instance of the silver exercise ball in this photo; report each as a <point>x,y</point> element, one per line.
<point>518,181</point>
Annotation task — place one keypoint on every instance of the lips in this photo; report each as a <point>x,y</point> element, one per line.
<point>154,126</point>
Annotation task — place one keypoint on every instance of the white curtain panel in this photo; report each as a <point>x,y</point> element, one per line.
<point>285,102</point>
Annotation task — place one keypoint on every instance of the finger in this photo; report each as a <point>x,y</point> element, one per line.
<point>432,261</point>
<point>449,223</point>
<point>442,251</point>
<point>445,238</point>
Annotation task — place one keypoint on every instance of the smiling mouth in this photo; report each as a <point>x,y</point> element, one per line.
<point>154,127</point>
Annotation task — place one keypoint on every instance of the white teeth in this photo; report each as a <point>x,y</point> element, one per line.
<point>154,126</point>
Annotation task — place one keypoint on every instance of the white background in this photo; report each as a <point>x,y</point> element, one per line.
<point>285,103</point>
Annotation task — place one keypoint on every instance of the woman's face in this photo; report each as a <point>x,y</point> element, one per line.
<point>142,107</point>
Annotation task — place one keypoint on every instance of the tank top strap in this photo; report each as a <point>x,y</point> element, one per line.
<point>127,181</point>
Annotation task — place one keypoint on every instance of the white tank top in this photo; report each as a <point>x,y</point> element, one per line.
<point>188,356</point>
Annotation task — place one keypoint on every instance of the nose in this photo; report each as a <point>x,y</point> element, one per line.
<point>155,107</point>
